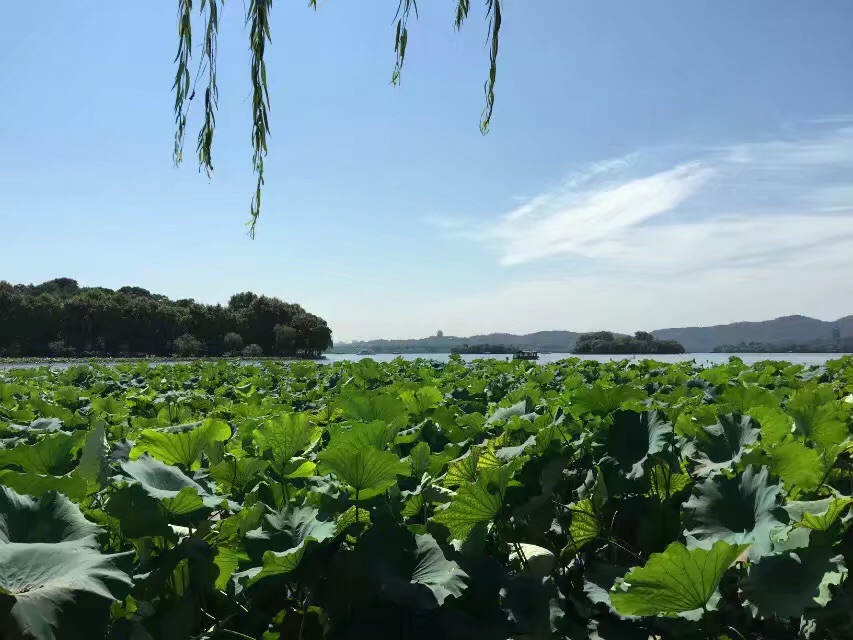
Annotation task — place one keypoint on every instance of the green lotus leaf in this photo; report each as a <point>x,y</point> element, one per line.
<point>277,563</point>
<point>410,570</point>
<point>109,405</point>
<point>50,455</point>
<point>786,585</point>
<point>834,618</point>
<point>531,559</point>
<point>741,399</point>
<point>689,424</point>
<point>603,400</point>
<point>584,527</point>
<point>235,476</point>
<point>186,501</point>
<point>374,434</point>
<point>723,444</point>
<point>167,484</point>
<point>299,468</point>
<point>666,483</point>
<point>45,425</point>
<point>776,425</point>
<point>181,445</point>
<point>285,436</point>
<point>50,581</point>
<point>474,503</point>
<point>292,530</point>
<point>227,561</point>
<point>502,414</point>
<point>421,400</point>
<point>419,459</point>
<point>353,516</point>
<point>34,484</point>
<point>599,579</point>
<point>818,416</point>
<point>368,408</point>
<point>293,525</point>
<point>463,469</point>
<point>677,581</point>
<point>48,409</point>
<point>157,479</point>
<point>93,466</point>
<point>505,454</point>
<point>632,438</point>
<point>368,471</point>
<point>797,465</point>
<point>817,515</point>
<point>736,510</point>
<point>236,526</point>
<point>138,514</point>
<point>51,518</point>
<point>535,606</point>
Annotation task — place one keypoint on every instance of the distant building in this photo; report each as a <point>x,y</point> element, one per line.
<point>836,333</point>
<point>439,334</point>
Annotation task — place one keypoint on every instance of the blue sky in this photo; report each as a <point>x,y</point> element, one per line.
<point>650,163</point>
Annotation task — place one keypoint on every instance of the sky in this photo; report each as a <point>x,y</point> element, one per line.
<point>650,164</point>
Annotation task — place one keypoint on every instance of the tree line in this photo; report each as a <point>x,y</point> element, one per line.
<point>818,346</point>
<point>641,342</point>
<point>59,318</point>
<point>485,348</point>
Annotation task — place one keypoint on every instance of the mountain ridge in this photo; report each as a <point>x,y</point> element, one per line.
<point>784,330</point>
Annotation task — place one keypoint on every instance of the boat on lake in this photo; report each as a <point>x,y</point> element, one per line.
<point>525,355</point>
<point>366,352</point>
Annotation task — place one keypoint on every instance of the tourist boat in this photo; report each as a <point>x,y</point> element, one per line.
<point>525,355</point>
<point>366,352</point>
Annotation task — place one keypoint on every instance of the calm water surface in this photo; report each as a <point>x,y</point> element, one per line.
<point>545,358</point>
<point>707,359</point>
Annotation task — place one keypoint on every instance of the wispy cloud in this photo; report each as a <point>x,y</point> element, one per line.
<point>833,148</point>
<point>750,199</point>
<point>741,231</point>
<point>584,221</point>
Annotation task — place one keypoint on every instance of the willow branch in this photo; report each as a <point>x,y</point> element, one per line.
<point>259,35</point>
<point>211,94</point>
<point>494,11</point>
<point>181,85</point>
<point>401,37</point>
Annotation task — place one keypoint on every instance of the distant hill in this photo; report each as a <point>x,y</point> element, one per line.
<point>781,331</point>
<point>556,341</point>
<point>788,330</point>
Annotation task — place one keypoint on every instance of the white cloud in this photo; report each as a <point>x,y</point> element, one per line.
<point>743,232</point>
<point>834,149</point>
<point>570,221</point>
<point>749,200</point>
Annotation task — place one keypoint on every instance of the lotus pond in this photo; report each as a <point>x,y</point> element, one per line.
<point>416,499</point>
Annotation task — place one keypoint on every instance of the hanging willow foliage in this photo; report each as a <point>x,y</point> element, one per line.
<point>257,19</point>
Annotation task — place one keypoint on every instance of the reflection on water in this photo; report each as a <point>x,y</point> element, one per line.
<point>706,359</point>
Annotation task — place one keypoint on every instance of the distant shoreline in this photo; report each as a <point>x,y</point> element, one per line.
<point>158,359</point>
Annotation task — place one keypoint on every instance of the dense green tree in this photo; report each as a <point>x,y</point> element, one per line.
<point>642,343</point>
<point>233,342</point>
<point>241,300</point>
<point>188,345</point>
<point>253,351</point>
<point>285,338</point>
<point>59,316</point>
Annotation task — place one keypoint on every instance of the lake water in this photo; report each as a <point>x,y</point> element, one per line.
<point>545,358</point>
<point>707,359</point>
